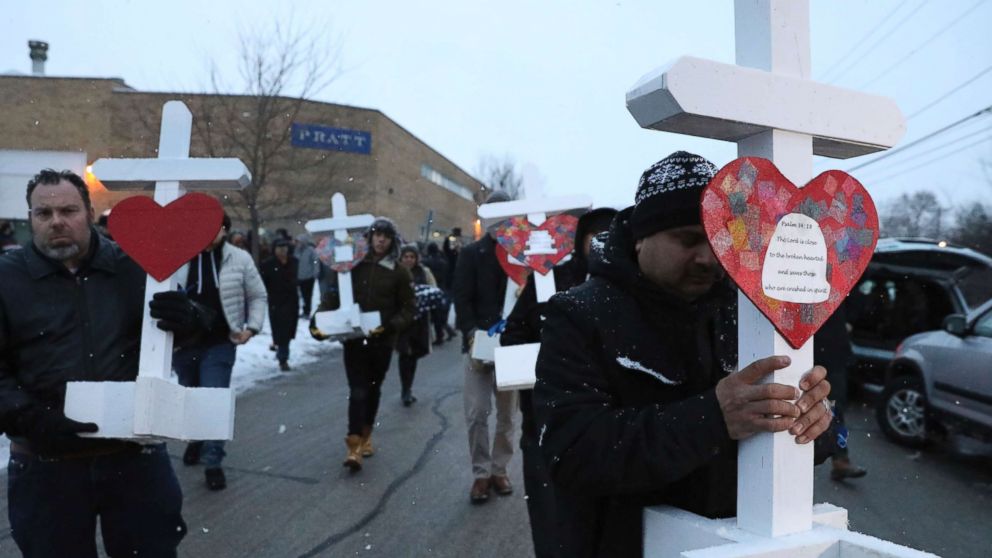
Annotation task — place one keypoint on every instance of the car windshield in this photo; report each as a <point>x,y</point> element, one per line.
<point>975,284</point>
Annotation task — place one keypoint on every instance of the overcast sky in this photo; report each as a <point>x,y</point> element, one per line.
<point>544,82</point>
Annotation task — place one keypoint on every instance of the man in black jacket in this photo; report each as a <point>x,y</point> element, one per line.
<point>634,396</point>
<point>480,289</point>
<point>71,309</point>
<point>523,325</point>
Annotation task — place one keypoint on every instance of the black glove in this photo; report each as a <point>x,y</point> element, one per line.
<point>175,312</point>
<point>49,431</point>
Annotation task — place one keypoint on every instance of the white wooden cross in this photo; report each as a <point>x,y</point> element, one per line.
<point>770,108</point>
<point>515,365</point>
<point>154,406</point>
<point>348,321</point>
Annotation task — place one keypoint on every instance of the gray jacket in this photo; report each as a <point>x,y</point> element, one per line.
<point>242,293</point>
<point>309,265</point>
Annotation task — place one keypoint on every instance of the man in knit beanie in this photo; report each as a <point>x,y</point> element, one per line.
<point>636,400</point>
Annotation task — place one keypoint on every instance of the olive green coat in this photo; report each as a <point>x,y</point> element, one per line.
<point>382,286</point>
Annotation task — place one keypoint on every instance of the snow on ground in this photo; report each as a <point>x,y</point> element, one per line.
<point>255,364</point>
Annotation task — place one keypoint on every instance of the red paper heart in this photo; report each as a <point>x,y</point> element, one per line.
<point>162,239</point>
<point>517,273</point>
<point>514,233</point>
<point>742,208</point>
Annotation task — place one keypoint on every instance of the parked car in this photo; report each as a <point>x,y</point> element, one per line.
<point>940,382</point>
<point>910,286</point>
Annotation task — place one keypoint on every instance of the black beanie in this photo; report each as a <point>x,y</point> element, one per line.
<point>668,194</point>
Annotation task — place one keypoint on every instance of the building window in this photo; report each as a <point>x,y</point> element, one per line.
<point>443,181</point>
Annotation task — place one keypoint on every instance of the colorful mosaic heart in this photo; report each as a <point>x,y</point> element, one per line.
<point>767,234</point>
<point>555,237</point>
<point>162,239</point>
<point>325,251</point>
<point>517,273</point>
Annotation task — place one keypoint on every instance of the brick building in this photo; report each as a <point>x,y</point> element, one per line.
<point>378,165</point>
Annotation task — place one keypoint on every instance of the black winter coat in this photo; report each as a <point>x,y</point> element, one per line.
<point>381,286</point>
<point>415,341</point>
<point>57,327</point>
<point>438,265</point>
<point>284,300</point>
<point>626,402</point>
<point>479,287</point>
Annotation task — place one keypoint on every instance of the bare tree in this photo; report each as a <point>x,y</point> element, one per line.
<point>280,69</point>
<point>914,215</point>
<point>501,174</point>
<point>973,227</point>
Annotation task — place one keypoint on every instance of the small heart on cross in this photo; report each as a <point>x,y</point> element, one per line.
<point>329,250</point>
<point>795,252</point>
<point>541,247</point>
<point>162,239</point>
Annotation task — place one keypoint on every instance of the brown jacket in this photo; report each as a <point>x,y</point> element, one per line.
<point>382,286</point>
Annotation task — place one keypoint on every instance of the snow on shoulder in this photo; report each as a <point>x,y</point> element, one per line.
<point>634,365</point>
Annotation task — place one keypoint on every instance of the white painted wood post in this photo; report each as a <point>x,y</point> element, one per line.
<point>770,108</point>
<point>348,320</point>
<point>775,474</point>
<point>153,406</point>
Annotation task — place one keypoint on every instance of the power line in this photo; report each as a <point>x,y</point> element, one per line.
<point>867,36</point>
<point>949,93</point>
<point>925,43</point>
<point>880,40</point>
<point>930,161</point>
<point>892,152</point>
<point>956,140</point>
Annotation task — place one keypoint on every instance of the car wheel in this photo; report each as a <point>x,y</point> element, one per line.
<point>902,411</point>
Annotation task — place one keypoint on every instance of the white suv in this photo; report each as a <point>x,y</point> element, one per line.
<point>940,382</point>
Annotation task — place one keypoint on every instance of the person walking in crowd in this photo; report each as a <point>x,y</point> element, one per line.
<point>523,325</point>
<point>308,271</point>
<point>8,241</point>
<point>438,264</point>
<point>832,350</point>
<point>223,279</point>
<point>635,398</point>
<point>279,274</point>
<point>89,326</point>
<point>381,285</point>
<point>480,287</point>
<point>238,240</point>
<point>414,343</point>
<point>452,247</point>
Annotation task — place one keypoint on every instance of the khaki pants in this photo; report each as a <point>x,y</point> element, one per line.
<point>480,389</point>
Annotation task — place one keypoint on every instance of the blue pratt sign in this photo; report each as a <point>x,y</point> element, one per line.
<point>316,136</point>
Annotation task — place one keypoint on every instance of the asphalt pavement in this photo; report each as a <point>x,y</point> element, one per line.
<point>289,496</point>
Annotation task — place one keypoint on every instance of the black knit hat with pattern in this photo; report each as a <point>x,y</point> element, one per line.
<point>668,194</point>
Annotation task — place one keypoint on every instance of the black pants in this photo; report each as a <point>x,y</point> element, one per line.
<point>54,504</point>
<point>366,365</point>
<point>306,291</point>
<point>439,319</point>
<point>408,367</point>
<point>537,484</point>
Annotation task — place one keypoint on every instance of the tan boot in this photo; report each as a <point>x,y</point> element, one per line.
<point>354,459</point>
<point>367,449</point>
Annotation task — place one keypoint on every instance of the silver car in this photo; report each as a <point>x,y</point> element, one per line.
<point>940,382</point>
